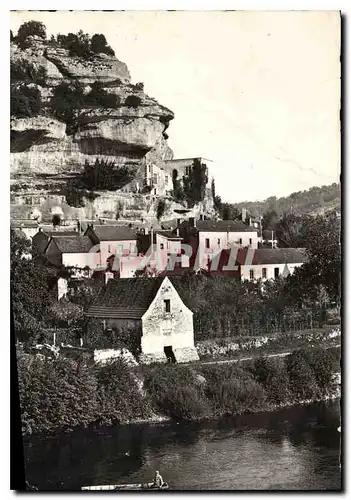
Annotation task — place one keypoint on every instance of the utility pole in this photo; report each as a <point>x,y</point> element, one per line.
<point>272,239</point>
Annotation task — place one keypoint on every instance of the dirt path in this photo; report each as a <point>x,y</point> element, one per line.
<point>281,355</point>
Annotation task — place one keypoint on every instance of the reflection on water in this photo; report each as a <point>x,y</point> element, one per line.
<point>296,449</point>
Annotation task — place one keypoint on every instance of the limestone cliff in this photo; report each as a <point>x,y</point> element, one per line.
<point>46,155</point>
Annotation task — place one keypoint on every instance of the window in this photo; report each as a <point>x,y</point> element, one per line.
<point>252,274</point>
<point>241,241</point>
<point>155,178</point>
<point>276,272</point>
<point>149,168</point>
<point>219,242</point>
<point>167,303</point>
<point>207,242</point>
<point>250,241</point>
<point>109,248</point>
<point>161,246</point>
<point>264,272</point>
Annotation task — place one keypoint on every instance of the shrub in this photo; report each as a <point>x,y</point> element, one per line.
<point>55,394</point>
<point>31,28</point>
<point>25,101</point>
<point>118,396</point>
<point>67,101</point>
<point>139,86</point>
<point>271,373</point>
<point>56,220</point>
<point>161,208</point>
<point>25,71</point>
<point>133,101</point>
<point>105,175</point>
<point>99,45</point>
<point>324,364</point>
<point>303,384</point>
<point>98,96</point>
<point>233,390</point>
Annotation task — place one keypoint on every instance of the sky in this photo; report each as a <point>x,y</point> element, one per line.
<point>256,92</point>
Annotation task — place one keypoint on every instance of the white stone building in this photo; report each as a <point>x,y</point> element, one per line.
<point>154,306</point>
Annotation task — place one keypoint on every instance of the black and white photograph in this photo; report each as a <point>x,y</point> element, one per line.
<point>175,250</point>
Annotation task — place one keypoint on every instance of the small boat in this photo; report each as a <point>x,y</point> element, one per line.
<point>126,487</point>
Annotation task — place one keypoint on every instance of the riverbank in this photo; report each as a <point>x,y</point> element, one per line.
<point>62,394</point>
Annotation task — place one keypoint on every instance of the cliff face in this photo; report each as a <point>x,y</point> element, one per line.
<point>47,155</point>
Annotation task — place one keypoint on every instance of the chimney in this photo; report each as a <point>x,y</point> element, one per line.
<point>243,214</point>
<point>177,232</point>
<point>178,222</point>
<point>250,221</point>
<point>146,230</point>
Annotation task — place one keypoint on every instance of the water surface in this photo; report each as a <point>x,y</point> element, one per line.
<point>293,449</point>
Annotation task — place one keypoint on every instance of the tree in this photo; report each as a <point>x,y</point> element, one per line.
<point>289,231</point>
<point>229,212</point>
<point>322,238</point>
<point>56,220</point>
<point>31,28</point>
<point>67,102</point>
<point>99,45</point>
<point>161,208</point>
<point>25,101</point>
<point>270,220</point>
<point>11,36</point>
<point>133,101</point>
<point>30,289</point>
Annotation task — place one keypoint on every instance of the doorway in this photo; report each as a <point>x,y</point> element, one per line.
<point>169,354</point>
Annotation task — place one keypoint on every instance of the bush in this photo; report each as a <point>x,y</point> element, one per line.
<point>173,391</point>
<point>133,101</point>
<point>98,96</point>
<point>55,394</point>
<point>303,384</point>
<point>139,86</point>
<point>99,45</point>
<point>67,101</point>
<point>161,208</point>
<point>324,364</point>
<point>56,220</point>
<point>105,175</point>
<point>25,71</point>
<point>271,373</point>
<point>233,390</point>
<point>25,101</point>
<point>118,396</point>
<point>30,28</point>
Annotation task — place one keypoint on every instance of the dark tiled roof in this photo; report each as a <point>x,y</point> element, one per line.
<point>114,233</point>
<point>272,256</point>
<point>219,226</point>
<point>125,298</point>
<point>59,233</point>
<point>73,244</point>
<point>168,234</point>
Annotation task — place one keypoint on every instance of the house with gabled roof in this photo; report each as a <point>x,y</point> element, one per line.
<point>269,263</point>
<point>154,307</point>
<point>42,237</point>
<point>112,240</point>
<point>72,251</point>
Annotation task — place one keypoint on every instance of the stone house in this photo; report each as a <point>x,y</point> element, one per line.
<point>209,237</point>
<point>71,251</point>
<point>268,263</point>
<point>112,240</point>
<point>154,307</point>
<point>41,239</point>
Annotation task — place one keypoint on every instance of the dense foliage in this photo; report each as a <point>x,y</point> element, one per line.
<point>30,28</point>
<point>300,203</point>
<point>194,184</point>
<point>61,394</point>
<point>25,101</point>
<point>25,71</point>
<point>105,175</point>
<point>133,101</point>
<point>99,97</point>
<point>81,45</point>
<point>31,285</point>
<point>161,205</point>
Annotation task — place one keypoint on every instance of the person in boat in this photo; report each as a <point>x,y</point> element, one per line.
<point>158,481</point>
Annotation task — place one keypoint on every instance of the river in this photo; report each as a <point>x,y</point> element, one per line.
<point>293,449</point>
